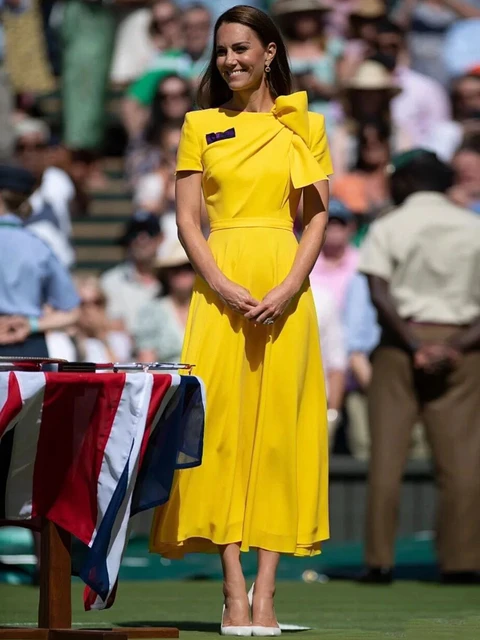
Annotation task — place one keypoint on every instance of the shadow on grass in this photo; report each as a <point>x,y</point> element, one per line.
<point>188,625</point>
<point>182,625</point>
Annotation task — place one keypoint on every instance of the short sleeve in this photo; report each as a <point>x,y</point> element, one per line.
<point>60,291</point>
<point>319,143</point>
<point>375,257</point>
<point>189,152</point>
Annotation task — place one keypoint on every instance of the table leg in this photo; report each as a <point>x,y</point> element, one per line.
<point>55,605</point>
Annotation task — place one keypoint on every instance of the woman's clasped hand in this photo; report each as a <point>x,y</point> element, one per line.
<point>266,311</point>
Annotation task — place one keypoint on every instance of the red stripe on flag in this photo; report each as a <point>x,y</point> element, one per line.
<point>77,418</point>
<point>13,403</point>
<point>161,384</point>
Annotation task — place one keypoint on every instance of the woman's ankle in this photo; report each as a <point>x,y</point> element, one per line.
<point>264,589</point>
<point>234,589</point>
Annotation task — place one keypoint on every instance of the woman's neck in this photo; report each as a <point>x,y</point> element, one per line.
<point>255,101</point>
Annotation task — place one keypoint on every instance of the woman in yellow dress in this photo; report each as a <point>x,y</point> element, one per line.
<point>252,151</point>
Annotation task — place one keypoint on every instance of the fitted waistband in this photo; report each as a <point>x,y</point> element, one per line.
<point>244,223</point>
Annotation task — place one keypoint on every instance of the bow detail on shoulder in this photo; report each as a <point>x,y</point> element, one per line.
<point>292,112</point>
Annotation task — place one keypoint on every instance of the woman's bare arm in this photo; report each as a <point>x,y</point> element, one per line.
<point>315,218</point>
<point>189,207</point>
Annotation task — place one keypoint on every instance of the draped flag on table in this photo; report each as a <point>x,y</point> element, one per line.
<point>88,450</point>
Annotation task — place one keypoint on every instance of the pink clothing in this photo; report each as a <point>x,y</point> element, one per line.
<point>421,106</point>
<point>335,278</point>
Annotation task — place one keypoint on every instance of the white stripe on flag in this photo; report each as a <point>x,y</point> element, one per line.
<point>166,399</point>
<point>19,488</point>
<point>126,436</point>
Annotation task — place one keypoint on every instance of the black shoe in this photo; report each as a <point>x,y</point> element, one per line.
<point>461,577</point>
<point>376,575</point>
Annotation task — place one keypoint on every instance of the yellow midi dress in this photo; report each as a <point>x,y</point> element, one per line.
<point>263,481</point>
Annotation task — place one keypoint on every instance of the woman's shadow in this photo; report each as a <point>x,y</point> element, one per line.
<point>181,625</point>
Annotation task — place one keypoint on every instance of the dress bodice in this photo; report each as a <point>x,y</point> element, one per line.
<point>255,164</point>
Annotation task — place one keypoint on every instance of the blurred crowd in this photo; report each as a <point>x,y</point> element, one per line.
<point>389,77</point>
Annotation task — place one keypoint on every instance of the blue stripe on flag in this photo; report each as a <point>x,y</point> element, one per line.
<point>176,442</point>
<point>94,571</point>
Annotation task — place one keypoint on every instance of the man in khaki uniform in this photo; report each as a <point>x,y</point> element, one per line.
<point>423,265</point>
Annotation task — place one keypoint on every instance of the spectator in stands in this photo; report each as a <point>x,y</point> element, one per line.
<point>314,55</point>
<point>188,63</point>
<point>151,192</point>
<point>6,97</point>
<point>94,338</point>
<point>423,265</point>
<point>466,166</point>
<point>427,23</point>
<point>141,36</point>
<point>131,284</point>
<point>334,355</point>
<point>88,32</point>
<point>362,35</point>
<point>161,322</point>
<point>362,334</point>
<point>447,136</point>
<point>144,151</point>
<point>423,102</point>
<point>367,97</point>
<point>31,275</point>
<point>338,260</point>
<point>364,190</point>
<point>51,201</point>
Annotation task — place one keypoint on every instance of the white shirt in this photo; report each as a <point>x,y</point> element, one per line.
<point>134,48</point>
<point>58,190</point>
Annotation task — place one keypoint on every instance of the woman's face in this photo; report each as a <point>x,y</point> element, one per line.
<point>174,94</point>
<point>181,280</point>
<point>241,57</point>
<point>92,306</point>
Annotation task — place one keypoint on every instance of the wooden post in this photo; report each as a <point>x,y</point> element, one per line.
<point>55,605</point>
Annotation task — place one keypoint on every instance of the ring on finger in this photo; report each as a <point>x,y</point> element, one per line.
<point>268,321</point>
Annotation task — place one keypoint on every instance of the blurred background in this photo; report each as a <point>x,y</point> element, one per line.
<point>92,99</point>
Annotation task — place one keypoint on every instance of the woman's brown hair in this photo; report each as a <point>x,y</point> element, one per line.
<point>213,90</point>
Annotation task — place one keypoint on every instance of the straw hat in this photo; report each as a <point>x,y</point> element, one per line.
<point>372,75</point>
<point>175,256</point>
<point>283,7</point>
<point>369,9</point>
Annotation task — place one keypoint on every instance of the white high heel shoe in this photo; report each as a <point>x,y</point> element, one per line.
<point>232,630</point>
<point>259,631</point>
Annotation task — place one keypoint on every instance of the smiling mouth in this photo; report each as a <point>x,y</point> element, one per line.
<point>234,74</point>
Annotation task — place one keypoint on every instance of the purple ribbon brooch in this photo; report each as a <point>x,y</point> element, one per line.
<point>221,135</point>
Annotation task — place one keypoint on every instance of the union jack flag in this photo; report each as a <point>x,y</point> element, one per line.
<point>89,450</point>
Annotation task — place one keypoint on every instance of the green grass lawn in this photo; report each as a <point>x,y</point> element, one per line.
<point>337,610</point>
